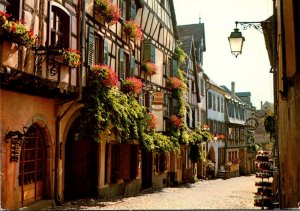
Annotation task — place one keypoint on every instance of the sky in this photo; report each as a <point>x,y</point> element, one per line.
<point>251,70</point>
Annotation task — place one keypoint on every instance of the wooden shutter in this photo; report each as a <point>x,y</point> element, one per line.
<point>152,53</point>
<point>121,64</point>
<point>166,100</point>
<point>125,161</point>
<point>168,69</point>
<point>105,55</point>
<point>132,66</point>
<point>174,68</point>
<point>123,9</point>
<point>132,10</point>
<point>133,162</point>
<point>91,46</point>
<point>146,50</point>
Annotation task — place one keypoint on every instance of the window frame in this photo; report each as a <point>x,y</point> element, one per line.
<point>53,5</point>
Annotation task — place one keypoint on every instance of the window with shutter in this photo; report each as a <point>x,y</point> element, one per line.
<point>105,59</point>
<point>132,10</point>
<point>168,68</point>
<point>146,50</point>
<point>132,65</point>
<point>152,53</point>
<point>174,68</point>
<point>121,64</point>
<point>123,10</point>
<point>91,40</point>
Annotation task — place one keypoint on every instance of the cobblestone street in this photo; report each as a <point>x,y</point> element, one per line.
<point>233,193</point>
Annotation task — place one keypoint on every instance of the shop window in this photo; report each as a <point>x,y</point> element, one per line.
<point>59,26</point>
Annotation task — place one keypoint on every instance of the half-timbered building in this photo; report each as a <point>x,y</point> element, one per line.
<point>44,84</point>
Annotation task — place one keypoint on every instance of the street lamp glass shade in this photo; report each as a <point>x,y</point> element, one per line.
<point>236,41</point>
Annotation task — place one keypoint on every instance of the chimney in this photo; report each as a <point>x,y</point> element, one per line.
<point>233,90</point>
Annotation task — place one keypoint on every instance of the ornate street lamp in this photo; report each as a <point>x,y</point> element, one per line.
<point>236,41</point>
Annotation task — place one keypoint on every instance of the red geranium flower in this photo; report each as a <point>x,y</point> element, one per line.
<point>105,75</point>
<point>133,85</point>
<point>176,121</point>
<point>175,83</point>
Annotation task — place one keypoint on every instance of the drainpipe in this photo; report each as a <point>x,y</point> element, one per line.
<point>58,151</point>
<point>275,74</point>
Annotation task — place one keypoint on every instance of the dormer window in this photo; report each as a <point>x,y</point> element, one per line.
<point>59,26</point>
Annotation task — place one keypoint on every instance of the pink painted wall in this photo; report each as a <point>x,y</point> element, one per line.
<point>19,110</point>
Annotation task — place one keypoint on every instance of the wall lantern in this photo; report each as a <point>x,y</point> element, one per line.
<point>236,39</point>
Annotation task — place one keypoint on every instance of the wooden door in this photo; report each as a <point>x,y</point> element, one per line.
<point>146,169</point>
<point>32,167</point>
<point>81,166</point>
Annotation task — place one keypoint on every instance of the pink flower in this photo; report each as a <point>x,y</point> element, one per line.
<point>152,122</point>
<point>176,121</point>
<point>175,83</point>
<point>133,85</point>
<point>149,68</point>
<point>106,76</point>
<point>132,29</point>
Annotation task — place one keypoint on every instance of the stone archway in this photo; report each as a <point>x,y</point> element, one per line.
<point>81,165</point>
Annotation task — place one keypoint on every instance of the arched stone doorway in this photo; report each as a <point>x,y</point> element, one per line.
<point>32,167</point>
<point>81,165</point>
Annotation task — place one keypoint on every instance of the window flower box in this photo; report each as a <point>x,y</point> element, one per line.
<point>149,68</point>
<point>107,11</point>
<point>71,57</point>
<point>15,31</point>
<point>132,85</point>
<point>175,83</point>
<point>104,75</point>
<point>132,29</point>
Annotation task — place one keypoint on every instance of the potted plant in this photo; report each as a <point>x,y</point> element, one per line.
<point>71,57</point>
<point>132,29</point>
<point>104,75</point>
<point>16,31</point>
<point>132,85</point>
<point>107,11</point>
<point>149,68</point>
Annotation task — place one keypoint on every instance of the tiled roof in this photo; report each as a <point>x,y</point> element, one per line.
<point>186,47</point>
<point>243,94</point>
<point>197,30</point>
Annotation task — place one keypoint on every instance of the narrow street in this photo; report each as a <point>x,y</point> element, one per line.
<point>233,193</point>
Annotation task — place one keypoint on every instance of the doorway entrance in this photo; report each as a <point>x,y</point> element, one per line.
<point>32,166</point>
<point>146,169</point>
<point>81,165</point>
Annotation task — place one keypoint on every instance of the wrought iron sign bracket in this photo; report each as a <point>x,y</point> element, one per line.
<point>250,24</point>
<point>16,138</point>
<point>48,54</point>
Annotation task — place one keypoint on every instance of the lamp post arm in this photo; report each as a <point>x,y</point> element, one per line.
<point>252,24</point>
